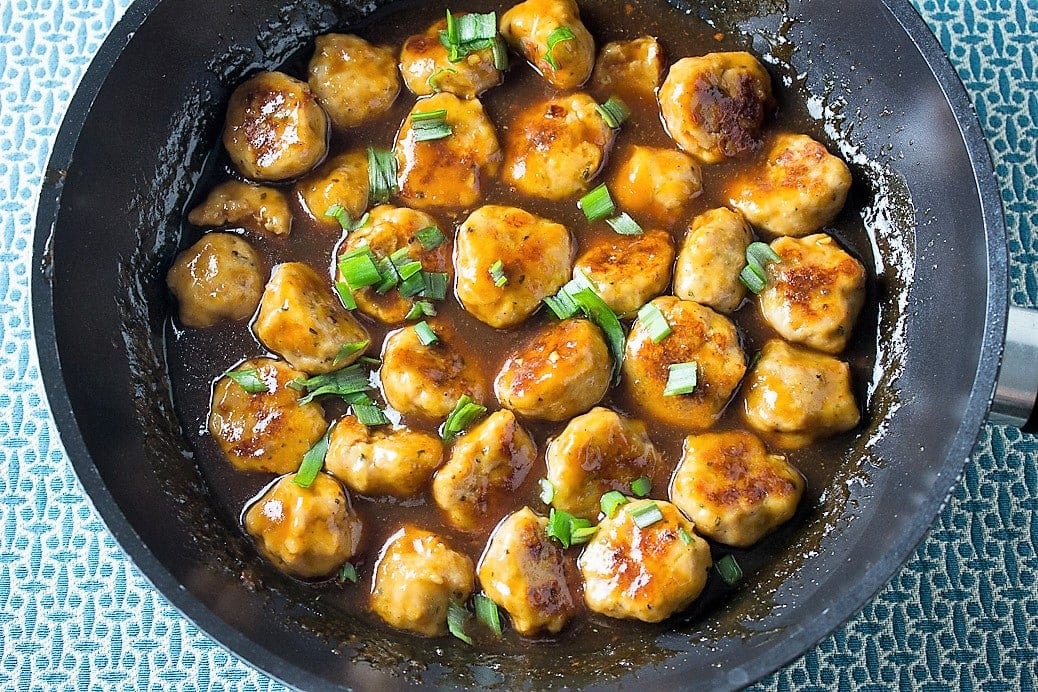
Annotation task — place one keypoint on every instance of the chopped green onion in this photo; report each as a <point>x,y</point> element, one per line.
<point>381,175</point>
<point>465,413</point>
<point>625,225</point>
<point>468,33</point>
<point>408,269</point>
<point>390,278</point>
<point>641,486</point>
<point>497,273</point>
<point>597,204</point>
<point>421,308</point>
<point>611,502</point>
<point>339,213</point>
<point>313,462</point>
<point>487,613</point>
<point>761,253</point>
<point>433,80</point>
<point>560,527</point>
<point>425,333</point>
<point>361,222</point>
<point>560,34</point>
<point>729,570</point>
<point>457,616</point>
<point>685,536</point>
<point>348,349</point>
<point>359,270</point>
<point>412,285</point>
<point>646,515</point>
<point>426,116</point>
<point>681,378</point>
<point>547,491</point>
<point>430,237</point>
<point>369,414</point>
<point>751,280</point>
<point>435,285</point>
<point>562,304</point>
<point>601,314</point>
<point>758,256</point>
<point>652,318</point>
<point>614,111</point>
<point>348,573</point>
<point>346,295</point>
<point>500,54</point>
<point>343,382</point>
<point>582,534</point>
<point>429,125</point>
<point>249,380</point>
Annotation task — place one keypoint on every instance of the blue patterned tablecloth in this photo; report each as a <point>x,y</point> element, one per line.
<point>76,614</point>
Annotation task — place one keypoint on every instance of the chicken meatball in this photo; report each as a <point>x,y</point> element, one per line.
<point>535,256</point>
<point>699,335</point>
<point>733,489</point>
<point>565,369</point>
<point>795,396</point>
<point>486,466</point>
<point>645,573</point>
<point>352,79</point>
<point>628,271</point>
<point>658,183</point>
<point>631,68</point>
<point>300,320</point>
<point>598,452</point>
<point>254,207</point>
<point>428,380</point>
<point>524,572</point>
<point>711,258</point>
<point>814,294</point>
<point>388,230</point>
<point>802,188</point>
<point>556,147</point>
<point>275,129</point>
<point>416,578</point>
<point>257,420</point>
<point>450,171</point>
<point>394,461</point>
<point>218,279</point>
<point>427,69</point>
<point>536,30</point>
<point>714,105</point>
<point>343,181</point>
<point>306,532</point>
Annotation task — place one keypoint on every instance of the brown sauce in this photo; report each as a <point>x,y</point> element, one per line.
<point>197,357</point>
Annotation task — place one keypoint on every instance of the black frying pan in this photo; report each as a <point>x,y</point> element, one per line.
<point>127,158</point>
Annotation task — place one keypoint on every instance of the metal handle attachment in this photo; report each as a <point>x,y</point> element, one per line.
<point>1016,393</point>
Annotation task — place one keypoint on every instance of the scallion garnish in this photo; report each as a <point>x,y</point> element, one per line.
<point>429,125</point>
<point>408,268</point>
<point>560,34</point>
<point>390,277</point>
<point>641,486</point>
<point>497,273</point>
<point>421,308</point>
<point>313,462</point>
<point>435,285</point>
<point>430,237</point>
<point>651,317</point>
<point>625,225</point>
<point>729,570</point>
<point>597,204</point>
<point>348,573</point>
<point>346,295</point>
<point>601,314</point>
<point>567,529</point>
<point>433,80</point>
<point>359,270</point>
<point>685,536</point>
<point>370,414</point>
<point>381,175</point>
<point>349,349</point>
<point>343,382</point>
<point>465,413</point>
<point>248,379</point>
<point>681,378</point>
<point>487,613</point>
<point>457,616</point>
<point>547,491</point>
<point>751,280</point>
<point>425,333</point>
<point>562,305</point>
<point>758,256</point>
<point>614,111</point>
<point>500,54</point>
<point>582,534</point>
<point>611,502</point>
<point>412,285</point>
<point>646,515</point>
<point>339,213</point>
<point>468,33</point>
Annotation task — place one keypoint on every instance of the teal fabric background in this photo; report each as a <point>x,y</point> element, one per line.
<point>76,614</point>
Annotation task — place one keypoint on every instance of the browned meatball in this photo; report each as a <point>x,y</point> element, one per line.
<point>631,68</point>
<point>256,208</point>
<point>353,80</point>
<point>628,271</point>
<point>341,180</point>
<point>218,279</point>
<point>427,70</point>
<point>711,258</point>
<point>275,129</point>
<point>658,183</point>
<point>528,26</point>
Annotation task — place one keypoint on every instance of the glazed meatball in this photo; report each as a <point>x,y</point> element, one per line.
<point>427,70</point>
<point>254,207</point>
<point>387,230</point>
<point>813,295</point>
<point>486,466</point>
<point>451,171</point>
<point>631,68</point>
<point>733,489</point>
<point>275,129</point>
<point>646,573</point>
<point>300,320</point>
<point>341,180</point>
<point>699,335</point>
<point>383,460</point>
<point>524,572</point>
<point>714,105</point>
<point>556,147</point>
<point>528,26</point>
<point>416,578</point>
<point>711,258</point>
<point>265,430</point>
<point>598,452</point>
<point>565,369</point>
<point>353,80</point>
<point>628,271</point>
<point>428,380</point>
<point>218,279</point>
<point>795,396</point>
<point>306,532</point>
<point>658,183</point>
<point>535,254</point>
<point>802,188</point>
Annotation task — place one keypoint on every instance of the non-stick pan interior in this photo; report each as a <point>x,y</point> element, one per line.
<point>128,158</point>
